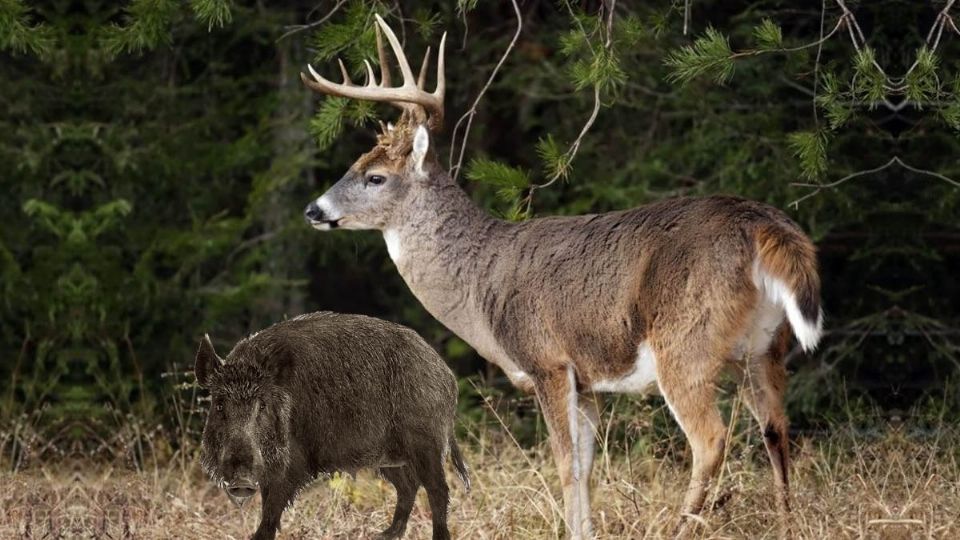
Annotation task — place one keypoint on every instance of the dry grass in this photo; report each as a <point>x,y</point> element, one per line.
<point>887,488</point>
<point>884,483</point>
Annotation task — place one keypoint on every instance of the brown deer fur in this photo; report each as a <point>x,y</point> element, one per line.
<point>662,297</point>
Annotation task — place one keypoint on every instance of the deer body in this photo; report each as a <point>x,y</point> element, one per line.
<point>662,297</point>
<point>606,276</point>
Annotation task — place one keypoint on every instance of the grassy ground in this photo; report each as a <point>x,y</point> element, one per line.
<point>885,483</point>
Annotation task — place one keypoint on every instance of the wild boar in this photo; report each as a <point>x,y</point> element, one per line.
<point>328,392</point>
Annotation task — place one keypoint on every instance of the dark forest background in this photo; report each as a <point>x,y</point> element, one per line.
<point>156,157</point>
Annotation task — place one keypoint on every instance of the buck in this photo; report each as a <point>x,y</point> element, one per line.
<point>660,298</point>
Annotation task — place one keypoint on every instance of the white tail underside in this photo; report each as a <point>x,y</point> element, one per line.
<point>808,332</point>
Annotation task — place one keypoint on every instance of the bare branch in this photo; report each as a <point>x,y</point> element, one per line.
<point>291,30</point>
<point>935,33</point>
<point>472,111</point>
<point>575,147</point>
<point>816,61</point>
<point>895,160</point>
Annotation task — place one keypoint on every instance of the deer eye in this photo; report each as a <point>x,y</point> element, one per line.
<point>376,179</point>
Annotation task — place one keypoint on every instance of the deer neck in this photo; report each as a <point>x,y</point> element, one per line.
<point>443,249</point>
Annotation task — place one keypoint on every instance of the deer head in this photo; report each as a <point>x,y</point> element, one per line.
<point>371,194</point>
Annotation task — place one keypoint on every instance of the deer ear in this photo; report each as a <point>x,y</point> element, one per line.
<point>421,144</point>
<point>207,362</point>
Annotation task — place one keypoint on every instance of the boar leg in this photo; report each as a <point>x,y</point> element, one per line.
<point>428,466</point>
<point>275,497</point>
<point>406,484</point>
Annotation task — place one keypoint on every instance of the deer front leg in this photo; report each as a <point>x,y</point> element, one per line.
<point>557,394</point>
<point>588,418</point>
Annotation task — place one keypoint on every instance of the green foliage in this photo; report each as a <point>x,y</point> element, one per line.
<point>590,62</point>
<point>212,12</point>
<point>556,161</point>
<point>869,82</point>
<point>509,182</point>
<point>426,22</point>
<point>768,35</point>
<point>834,101</point>
<point>811,149</point>
<point>19,34</point>
<point>709,55</point>
<point>921,82</point>
<point>601,69</point>
<point>327,124</point>
<point>951,112</point>
<point>354,38</point>
<point>146,26</point>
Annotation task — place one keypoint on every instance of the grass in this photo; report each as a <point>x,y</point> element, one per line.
<point>849,482</point>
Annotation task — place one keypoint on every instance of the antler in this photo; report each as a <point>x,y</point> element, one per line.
<point>409,96</point>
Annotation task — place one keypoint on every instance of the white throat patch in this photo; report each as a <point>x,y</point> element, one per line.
<point>392,238</point>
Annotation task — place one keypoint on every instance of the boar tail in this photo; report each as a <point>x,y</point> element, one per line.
<point>462,470</point>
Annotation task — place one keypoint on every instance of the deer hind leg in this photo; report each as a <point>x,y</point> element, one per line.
<point>688,386</point>
<point>764,382</point>
<point>559,402</point>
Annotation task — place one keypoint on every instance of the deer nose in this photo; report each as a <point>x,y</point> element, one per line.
<point>313,212</point>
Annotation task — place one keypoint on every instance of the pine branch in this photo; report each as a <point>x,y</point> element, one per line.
<point>146,26</point>
<point>212,12</point>
<point>709,54</point>
<point>19,34</point>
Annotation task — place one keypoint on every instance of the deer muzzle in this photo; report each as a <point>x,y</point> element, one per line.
<point>316,218</point>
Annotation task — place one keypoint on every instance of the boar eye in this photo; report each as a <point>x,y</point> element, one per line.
<point>376,179</point>
<point>219,407</point>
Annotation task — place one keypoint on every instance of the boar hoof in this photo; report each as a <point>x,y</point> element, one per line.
<point>391,533</point>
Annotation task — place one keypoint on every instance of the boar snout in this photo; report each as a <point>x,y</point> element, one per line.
<point>241,466</point>
<point>240,490</point>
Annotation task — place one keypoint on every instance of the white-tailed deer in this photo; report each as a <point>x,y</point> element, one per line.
<point>661,297</point>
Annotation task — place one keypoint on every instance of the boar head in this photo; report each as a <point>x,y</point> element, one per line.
<point>247,434</point>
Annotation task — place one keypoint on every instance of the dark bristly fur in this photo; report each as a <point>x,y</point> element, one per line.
<point>327,392</point>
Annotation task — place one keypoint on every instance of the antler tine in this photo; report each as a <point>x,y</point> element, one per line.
<point>440,90</point>
<point>410,96</point>
<point>382,55</point>
<point>343,70</point>
<point>441,76</point>
<point>371,78</point>
<point>397,51</point>
<point>422,78</point>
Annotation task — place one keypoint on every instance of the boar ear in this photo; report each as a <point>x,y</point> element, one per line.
<point>207,362</point>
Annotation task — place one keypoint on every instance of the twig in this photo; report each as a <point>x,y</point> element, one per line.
<point>472,111</point>
<point>816,62</point>
<point>817,43</point>
<point>301,27</point>
<point>943,18</point>
<point>895,160</point>
<point>575,147</point>
<point>571,152</point>
<point>928,173</point>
